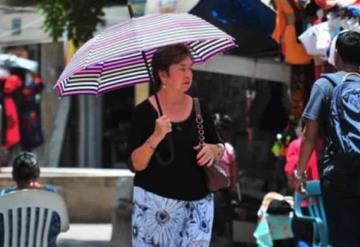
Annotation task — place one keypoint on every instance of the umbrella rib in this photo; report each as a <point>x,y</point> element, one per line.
<point>99,78</point>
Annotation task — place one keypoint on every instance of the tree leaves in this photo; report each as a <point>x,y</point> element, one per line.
<point>77,18</point>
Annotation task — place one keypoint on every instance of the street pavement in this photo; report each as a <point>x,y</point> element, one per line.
<point>86,235</point>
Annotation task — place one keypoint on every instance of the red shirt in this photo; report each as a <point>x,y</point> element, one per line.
<point>292,158</point>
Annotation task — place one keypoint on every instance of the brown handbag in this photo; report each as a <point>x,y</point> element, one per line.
<point>216,176</point>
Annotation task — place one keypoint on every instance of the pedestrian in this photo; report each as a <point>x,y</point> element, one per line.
<point>223,217</point>
<point>341,166</point>
<point>26,174</point>
<point>302,229</point>
<point>172,205</point>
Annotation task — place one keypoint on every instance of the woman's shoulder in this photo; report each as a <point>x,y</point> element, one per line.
<point>144,107</point>
<point>143,104</point>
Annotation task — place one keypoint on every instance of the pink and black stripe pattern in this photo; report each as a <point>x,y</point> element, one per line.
<point>115,57</point>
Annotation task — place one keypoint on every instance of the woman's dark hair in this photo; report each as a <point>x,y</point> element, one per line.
<point>166,56</point>
<point>348,47</point>
<point>25,167</point>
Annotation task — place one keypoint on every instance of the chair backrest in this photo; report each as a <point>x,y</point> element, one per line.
<point>316,212</point>
<point>34,209</point>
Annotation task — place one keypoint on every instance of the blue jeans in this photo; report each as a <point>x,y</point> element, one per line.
<point>343,218</point>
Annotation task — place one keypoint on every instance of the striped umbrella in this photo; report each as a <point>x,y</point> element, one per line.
<point>121,55</point>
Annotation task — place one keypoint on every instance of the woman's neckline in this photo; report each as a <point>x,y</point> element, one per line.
<point>175,122</point>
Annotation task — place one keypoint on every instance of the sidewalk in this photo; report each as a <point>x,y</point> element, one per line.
<point>86,235</point>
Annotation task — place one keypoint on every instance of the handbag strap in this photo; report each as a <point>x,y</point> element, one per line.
<point>199,121</point>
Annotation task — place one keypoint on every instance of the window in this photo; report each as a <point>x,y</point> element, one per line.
<point>16,26</point>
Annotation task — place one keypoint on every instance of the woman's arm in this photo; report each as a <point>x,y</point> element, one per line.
<point>209,153</point>
<point>308,142</point>
<point>213,148</point>
<point>141,156</point>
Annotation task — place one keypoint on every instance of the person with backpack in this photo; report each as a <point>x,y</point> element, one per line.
<point>334,109</point>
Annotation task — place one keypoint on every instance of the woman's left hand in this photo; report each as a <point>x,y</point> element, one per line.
<point>206,154</point>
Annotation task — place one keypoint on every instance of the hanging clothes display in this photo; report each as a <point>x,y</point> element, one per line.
<point>317,39</point>
<point>11,130</point>
<point>302,79</point>
<point>285,33</point>
<point>29,113</point>
<point>328,4</point>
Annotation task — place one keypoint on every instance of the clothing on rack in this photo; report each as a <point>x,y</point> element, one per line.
<point>29,113</point>
<point>285,33</point>
<point>317,39</point>
<point>11,129</point>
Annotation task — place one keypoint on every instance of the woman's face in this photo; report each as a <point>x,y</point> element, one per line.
<point>179,76</point>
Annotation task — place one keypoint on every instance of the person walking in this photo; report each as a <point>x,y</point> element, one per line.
<point>341,166</point>
<point>302,230</point>
<point>171,203</point>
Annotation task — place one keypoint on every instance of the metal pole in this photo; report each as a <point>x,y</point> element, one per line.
<point>131,12</point>
<point>1,127</point>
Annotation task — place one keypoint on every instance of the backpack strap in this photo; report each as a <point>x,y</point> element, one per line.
<point>328,135</point>
<point>329,78</point>
<point>351,74</point>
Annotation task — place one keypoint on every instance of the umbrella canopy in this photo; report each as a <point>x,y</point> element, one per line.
<point>13,61</point>
<point>121,55</point>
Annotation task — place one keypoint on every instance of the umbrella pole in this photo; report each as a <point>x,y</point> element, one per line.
<point>131,12</point>
<point>152,81</point>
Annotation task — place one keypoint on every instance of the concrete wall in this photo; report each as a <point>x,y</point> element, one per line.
<point>90,194</point>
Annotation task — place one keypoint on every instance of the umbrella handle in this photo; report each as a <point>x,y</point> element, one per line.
<point>164,161</point>
<point>168,141</point>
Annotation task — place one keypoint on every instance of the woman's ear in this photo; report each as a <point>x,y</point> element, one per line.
<point>163,75</point>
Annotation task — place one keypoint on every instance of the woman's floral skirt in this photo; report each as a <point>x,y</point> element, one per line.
<point>164,222</point>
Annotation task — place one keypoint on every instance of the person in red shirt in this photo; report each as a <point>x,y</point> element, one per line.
<point>302,230</point>
<point>292,158</point>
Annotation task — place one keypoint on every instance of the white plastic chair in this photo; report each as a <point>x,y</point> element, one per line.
<point>31,199</point>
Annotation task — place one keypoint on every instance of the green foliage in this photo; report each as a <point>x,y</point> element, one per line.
<point>78,18</point>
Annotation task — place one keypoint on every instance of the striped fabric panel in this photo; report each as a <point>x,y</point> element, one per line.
<point>124,71</point>
<point>98,78</point>
<point>113,59</point>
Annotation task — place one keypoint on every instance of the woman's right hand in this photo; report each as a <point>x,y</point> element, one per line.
<point>162,127</point>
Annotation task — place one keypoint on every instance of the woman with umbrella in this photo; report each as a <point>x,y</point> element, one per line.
<point>172,205</point>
